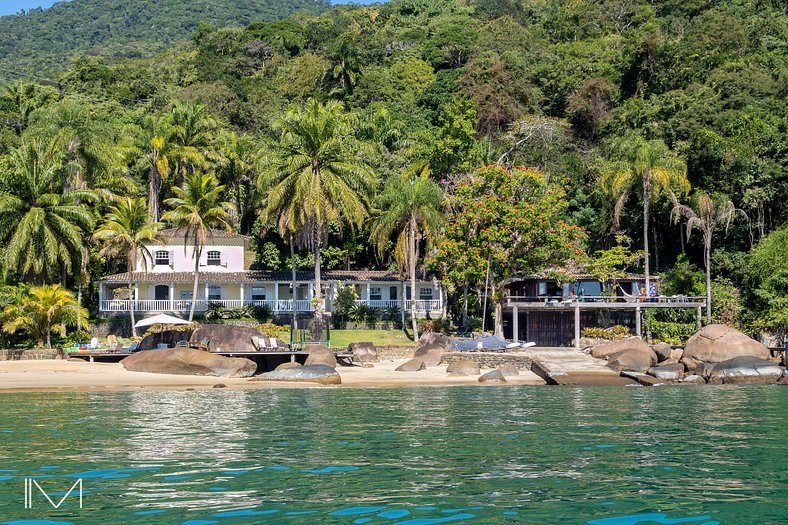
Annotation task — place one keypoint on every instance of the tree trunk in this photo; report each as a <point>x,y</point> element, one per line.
<point>707,261</point>
<point>465,305</point>
<point>197,252</point>
<point>318,324</point>
<point>486,284</point>
<point>645,232</point>
<point>49,332</point>
<point>131,299</point>
<point>154,186</point>
<point>412,267</point>
<point>402,302</point>
<point>293,285</point>
<point>498,326</point>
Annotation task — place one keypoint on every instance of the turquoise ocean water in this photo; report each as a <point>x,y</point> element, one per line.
<point>409,456</point>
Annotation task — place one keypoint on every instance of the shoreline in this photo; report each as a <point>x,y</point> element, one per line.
<point>72,376</point>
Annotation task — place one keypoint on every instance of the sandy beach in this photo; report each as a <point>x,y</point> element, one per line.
<point>64,375</point>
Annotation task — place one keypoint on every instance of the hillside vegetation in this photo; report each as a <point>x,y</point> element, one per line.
<point>594,95</point>
<point>43,40</point>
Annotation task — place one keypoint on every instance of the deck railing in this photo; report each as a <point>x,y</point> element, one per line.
<point>553,299</point>
<point>282,305</point>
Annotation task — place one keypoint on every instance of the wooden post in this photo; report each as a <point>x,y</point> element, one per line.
<point>699,316</point>
<point>515,324</point>
<point>638,330</point>
<point>577,326</point>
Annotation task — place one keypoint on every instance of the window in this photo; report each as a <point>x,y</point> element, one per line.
<point>425,294</point>
<point>162,257</point>
<point>393,293</point>
<point>258,293</point>
<point>374,294</point>
<point>214,293</point>
<point>186,295</point>
<point>214,258</point>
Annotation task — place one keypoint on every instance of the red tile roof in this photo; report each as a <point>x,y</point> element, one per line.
<point>257,276</point>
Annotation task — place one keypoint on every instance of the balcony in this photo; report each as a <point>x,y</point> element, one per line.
<point>282,305</point>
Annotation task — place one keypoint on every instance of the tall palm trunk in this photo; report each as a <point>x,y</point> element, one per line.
<point>412,268</point>
<point>645,230</point>
<point>49,331</point>
<point>293,277</point>
<point>197,253</point>
<point>318,324</point>
<point>131,265</point>
<point>154,187</point>
<point>131,299</point>
<point>464,305</point>
<point>707,262</point>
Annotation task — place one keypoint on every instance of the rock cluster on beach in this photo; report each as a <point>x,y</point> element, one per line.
<point>717,354</point>
<point>320,374</point>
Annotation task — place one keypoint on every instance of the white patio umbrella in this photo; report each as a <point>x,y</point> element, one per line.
<point>160,319</point>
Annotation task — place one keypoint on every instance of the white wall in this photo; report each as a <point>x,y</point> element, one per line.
<point>231,256</point>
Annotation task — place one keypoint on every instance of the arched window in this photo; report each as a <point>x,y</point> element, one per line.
<point>214,258</point>
<point>162,257</point>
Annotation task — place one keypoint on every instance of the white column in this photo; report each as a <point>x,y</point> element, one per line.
<point>638,330</point>
<point>515,324</point>
<point>205,296</point>
<point>136,296</point>
<point>311,291</point>
<point>172,297</point>
<point>577,326</point>
<point>276,297</point>
<point>440,296</point>
<point>368,287</point>
<point>243,291</point>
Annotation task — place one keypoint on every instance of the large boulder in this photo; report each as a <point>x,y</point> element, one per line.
<point>745,369</point>
<point>226,337</point>
<point>716,343</point>
<point>414,365</point>
<point>430,353</point>
<point>364,352</point>
<point>494,376</point>
<point>668,372</point>
<point>321,374</point>
<point>434,338</point>
<point>320,355</point>
<point>463,367</point>
<point>662,350</point>
<point>614,347</point>
<point>633,360</point>
<point>188,361</point>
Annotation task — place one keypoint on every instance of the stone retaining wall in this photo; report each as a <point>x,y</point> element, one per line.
<point>29,353</point>
<point>490,359</point>
<point>396,352</point>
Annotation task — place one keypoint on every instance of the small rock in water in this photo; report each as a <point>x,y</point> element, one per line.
<point>321,374</point>
<point>694,379</point>
<point>747,370</point>
<point>668,372</point>
<point>494,376</point>
<point>220,385</point>
<point>633,360</point>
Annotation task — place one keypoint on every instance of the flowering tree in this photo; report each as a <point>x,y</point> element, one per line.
<point>506,224</point>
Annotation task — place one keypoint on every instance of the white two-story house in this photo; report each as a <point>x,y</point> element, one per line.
<point>165,282</point>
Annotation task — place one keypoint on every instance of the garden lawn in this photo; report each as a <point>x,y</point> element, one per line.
<point>342,338</point>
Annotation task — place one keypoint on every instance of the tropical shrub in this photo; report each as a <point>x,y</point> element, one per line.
<point>43,310</point>
<point>273,330</point>
<point>614,332</point>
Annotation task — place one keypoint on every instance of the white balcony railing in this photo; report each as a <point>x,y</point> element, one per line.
<point>184,305</point>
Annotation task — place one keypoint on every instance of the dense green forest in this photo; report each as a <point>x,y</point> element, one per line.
<point>42,40</point>
<point>550,130</point>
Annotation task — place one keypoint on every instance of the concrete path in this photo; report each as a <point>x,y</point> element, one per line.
<point>569,366</point>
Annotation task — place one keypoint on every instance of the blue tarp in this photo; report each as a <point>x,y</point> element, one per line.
<point>488,343</point>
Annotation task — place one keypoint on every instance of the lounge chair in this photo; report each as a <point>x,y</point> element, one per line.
<point>183,343</point>
<point>94,343</point>
<point>112,343</point>
<point>265,344</point>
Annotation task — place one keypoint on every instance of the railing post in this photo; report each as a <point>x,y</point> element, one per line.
<point>172,297</point>
<point>242,293</point>
<point>577,325</point>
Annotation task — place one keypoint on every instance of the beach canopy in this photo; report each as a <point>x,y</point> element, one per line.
<point>160,319</point>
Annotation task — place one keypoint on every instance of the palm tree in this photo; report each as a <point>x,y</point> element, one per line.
<point>43,309</point>
<point>642,165</point>
<point>126,230</point>
<point>41,229</point>
<point>315,176</point>
<point>236,169</point>
<point>709,214</point>
<point>190,133</point>
<point>157,133</point>
<point>413,209</point>
<point>197,209</point>
<point>344,65</point>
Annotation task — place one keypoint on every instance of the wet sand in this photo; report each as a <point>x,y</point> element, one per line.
<point>65,375</point>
